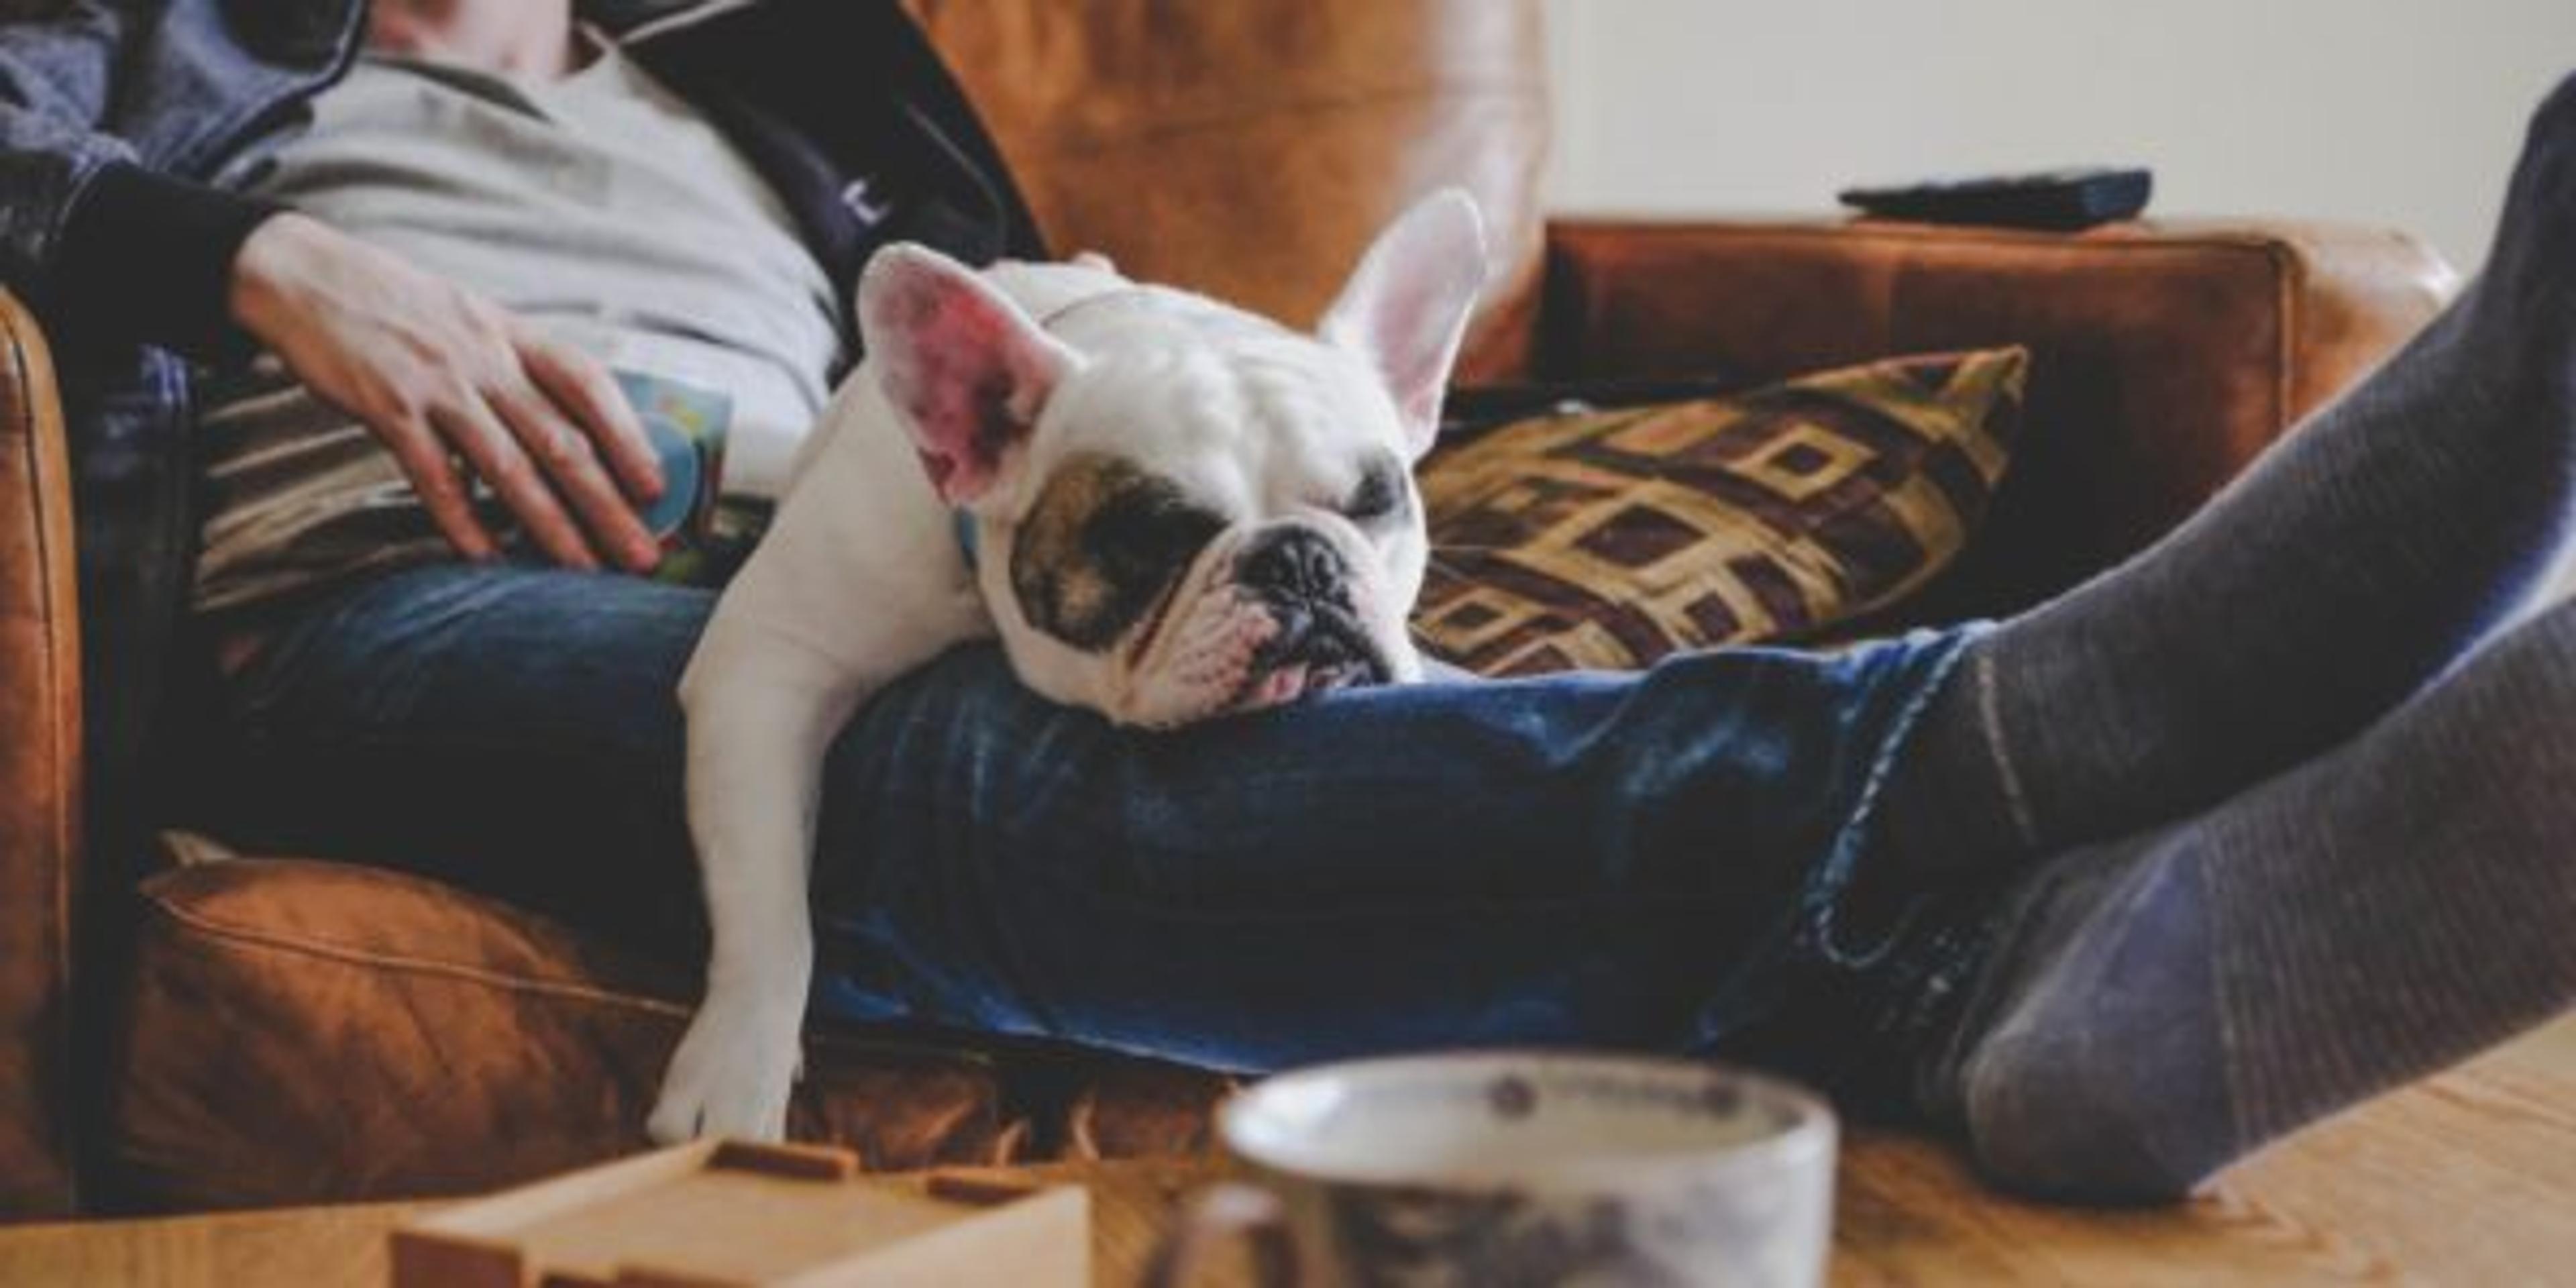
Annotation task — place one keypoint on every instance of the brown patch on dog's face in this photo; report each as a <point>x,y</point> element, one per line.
<point>1104,541</point>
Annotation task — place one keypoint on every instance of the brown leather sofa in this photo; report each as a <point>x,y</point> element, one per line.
<point>298,1031</point>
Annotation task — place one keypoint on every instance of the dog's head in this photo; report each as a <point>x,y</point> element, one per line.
<point>1180,509</point>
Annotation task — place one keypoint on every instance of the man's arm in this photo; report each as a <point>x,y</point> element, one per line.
<point>102,246</point>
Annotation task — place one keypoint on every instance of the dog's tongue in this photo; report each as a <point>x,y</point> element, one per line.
<point>1286,684</point>
<point>1294,680</point>
<point>1311,655</point>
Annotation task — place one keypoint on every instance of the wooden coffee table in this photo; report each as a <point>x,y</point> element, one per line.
<point>2469,1178</point>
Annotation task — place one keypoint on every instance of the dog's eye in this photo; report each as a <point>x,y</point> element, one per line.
<point>1380,493</point>
<point>1150,530</point>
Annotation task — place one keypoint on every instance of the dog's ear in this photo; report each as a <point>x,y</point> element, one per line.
<point>1405,307</point>
<point>966,370</point>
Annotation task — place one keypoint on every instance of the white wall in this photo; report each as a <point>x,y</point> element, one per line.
<point>2398,114</point>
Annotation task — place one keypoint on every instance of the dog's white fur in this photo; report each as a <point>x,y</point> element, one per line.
<point>967,401</point>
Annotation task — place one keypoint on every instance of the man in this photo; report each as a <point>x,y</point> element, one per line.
<point>115,122</point>
<point>2247,830</point>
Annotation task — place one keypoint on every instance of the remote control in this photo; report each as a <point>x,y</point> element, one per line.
<point>2056,200</point>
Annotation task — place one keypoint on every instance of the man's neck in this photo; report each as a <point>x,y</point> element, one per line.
<point>532,39</point>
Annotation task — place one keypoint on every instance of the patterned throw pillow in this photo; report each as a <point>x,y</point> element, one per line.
<point>1609,538</point>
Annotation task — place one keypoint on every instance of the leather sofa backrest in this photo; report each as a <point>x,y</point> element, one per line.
<point>2165,355</point>
<point>1250,149</point>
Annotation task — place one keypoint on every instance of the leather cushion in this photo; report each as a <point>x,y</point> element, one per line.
<point>1606,539</point>
<point>304,1032</point>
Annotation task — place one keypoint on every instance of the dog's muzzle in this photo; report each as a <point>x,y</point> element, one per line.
<point>1304,582</point>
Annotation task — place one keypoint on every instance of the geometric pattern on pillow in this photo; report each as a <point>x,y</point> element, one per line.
<point>1606,539</point>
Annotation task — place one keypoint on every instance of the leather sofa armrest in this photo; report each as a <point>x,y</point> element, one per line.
<point>2166,354</point>
<point>40,779</point>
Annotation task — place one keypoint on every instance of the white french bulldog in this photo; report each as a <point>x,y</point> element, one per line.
<point>1167,509</point>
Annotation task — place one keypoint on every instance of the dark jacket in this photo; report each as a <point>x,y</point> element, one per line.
<point>114,112</point>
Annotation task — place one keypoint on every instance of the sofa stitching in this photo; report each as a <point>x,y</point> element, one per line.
<point>2286,322</point>
<point>57,898</point>
<point>65,824</point>
<point>2164,240</point>
<point>353,956</point>
<point>415,965</point>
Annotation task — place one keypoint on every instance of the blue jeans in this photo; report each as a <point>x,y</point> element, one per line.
<point>1646,861</point>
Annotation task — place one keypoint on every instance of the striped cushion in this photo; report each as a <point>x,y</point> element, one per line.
<point>1609,538</point>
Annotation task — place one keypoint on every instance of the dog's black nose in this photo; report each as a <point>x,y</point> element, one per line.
<point>1294,563</point>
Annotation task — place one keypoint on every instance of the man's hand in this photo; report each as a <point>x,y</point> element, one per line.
<point>439,372</point>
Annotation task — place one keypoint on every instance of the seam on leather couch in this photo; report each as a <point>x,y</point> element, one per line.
<point>2288,287</point>
<point>823,1036</point>
<point>404,963</point>
<point>31,399</point>
<point>34,387</point>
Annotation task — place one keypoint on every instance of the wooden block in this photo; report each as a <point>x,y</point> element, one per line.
<point>981,1187</point>
<point>727,1214</point>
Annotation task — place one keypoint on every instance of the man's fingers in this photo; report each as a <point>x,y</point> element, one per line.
<point>487,445</point>
<point>420,360</point>
<point>441,490</point>
<point>563,454</point>
<point>590,396</point>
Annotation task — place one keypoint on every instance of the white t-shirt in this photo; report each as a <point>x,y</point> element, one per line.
<point>598,206</point>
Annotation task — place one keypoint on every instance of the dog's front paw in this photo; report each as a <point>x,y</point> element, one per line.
<point>730,1076</point>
